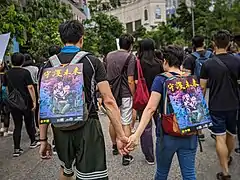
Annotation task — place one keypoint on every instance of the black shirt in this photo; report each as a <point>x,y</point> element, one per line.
<point>19,78</point>
<point>150,71</point>
<point>100,74</point>
<point>190,61</point>
<point>222,95</point>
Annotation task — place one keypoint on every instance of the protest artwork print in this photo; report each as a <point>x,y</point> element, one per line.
<point>62,94</point>
<point>188,103</point>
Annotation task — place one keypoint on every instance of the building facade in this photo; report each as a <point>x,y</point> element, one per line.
<point>148,13</point>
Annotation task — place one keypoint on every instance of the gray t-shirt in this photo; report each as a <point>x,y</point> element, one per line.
<point>115,62</point>
<point>34,72</point>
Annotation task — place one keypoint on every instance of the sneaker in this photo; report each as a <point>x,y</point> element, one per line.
<point>10,132</point>
<point>7,133</point>
<point>2,129</point>
<point>127,159</point>
<point>34,144</point>
<point>17,152</point>
<point>220,176</point>
<point>237,150</point>
<point>150,162</point>
<point>115,150</point>
<point>230,161</point>
<point>201,137</point>
<point>54,150</point>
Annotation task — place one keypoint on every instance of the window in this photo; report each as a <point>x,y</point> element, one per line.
<point>138,24</point>
<point>158,13</point>
<point>145,14</point>
<point>129,27</point>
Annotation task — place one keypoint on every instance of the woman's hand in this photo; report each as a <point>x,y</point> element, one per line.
<point>133,142</point>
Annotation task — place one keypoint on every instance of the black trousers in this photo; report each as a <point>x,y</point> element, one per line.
<point>238,128</point>
<point>18,117</point>
<point>5,115</point>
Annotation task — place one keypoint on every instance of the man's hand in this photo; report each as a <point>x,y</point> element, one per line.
<point>45,150</point>
<point>34,106</point>
<point>133,141</point>
<point>121,143</point>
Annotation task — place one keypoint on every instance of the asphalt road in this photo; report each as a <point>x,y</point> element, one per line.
<point>30,167</point>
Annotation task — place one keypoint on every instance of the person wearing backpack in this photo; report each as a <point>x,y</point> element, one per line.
<point>120,74</point>
<point>21,100</point>
<point>151,66</point>
<point>223,73</point>
<point>194,61</point>
<point>79,140</point>
<point>168,143</point>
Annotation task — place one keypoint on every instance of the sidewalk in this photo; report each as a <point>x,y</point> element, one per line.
<point>30,167</point>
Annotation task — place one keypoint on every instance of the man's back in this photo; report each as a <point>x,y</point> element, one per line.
<point>223,95</point>
<point>115,63</point>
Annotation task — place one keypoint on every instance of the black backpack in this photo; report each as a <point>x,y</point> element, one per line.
<point>15,99</point>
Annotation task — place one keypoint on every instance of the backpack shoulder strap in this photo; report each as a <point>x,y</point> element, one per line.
<point>54,61</point>
<point>208,54</point>
<point>167,75</point>
<point>196,55</point>
<point>79,56</point>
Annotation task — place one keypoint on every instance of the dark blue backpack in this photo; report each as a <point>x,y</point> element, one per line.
<point>199,61</point>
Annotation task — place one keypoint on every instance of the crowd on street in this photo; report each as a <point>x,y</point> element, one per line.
<point>162,88</point>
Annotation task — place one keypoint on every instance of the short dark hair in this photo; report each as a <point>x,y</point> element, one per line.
<point>198,41</point>
<point>237,39</point>
<point>126,41</point>
<point>28,60</point>
<point>54,50</point>
<point>17,59</point>
<point>158,54</point>
<point>174,55</point>
<point>222,38</point>
<point>71,31</point>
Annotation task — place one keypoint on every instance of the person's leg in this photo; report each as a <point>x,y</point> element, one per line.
<point>30,127</point>
<point>18,120</point>
<point>90,152</point>
<point>126,111</point>
<point>66,152</point>
<point>219,129</point>
<point>134,118</point>
<point>237,150</point>
<point>231,124</point>
<point>166,147</point>
<point>113,138</point>
<point>147,142</point>
<point>186,157</point>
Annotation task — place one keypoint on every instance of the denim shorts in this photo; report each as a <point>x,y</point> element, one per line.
<point>224,121</point>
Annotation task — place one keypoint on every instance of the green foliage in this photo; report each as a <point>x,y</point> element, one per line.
<point>35,25</point>
<point>101,33</point>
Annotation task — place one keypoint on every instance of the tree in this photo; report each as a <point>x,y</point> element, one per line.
<point>101,33</point>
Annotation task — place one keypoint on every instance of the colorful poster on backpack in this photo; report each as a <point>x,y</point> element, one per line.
<point>61,94</point>
<point>188,103</point>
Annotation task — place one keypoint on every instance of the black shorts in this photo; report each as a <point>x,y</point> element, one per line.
<point>83,148</point>
<point>224,121</point>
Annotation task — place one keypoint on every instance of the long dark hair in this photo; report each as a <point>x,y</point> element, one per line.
<point>146,52</point>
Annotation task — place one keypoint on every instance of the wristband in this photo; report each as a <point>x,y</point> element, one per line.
<point>41,140</point>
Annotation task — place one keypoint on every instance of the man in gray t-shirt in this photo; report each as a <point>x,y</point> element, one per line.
<point>116,61</point>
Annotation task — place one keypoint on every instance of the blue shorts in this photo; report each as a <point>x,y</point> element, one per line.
<point>224,121</point>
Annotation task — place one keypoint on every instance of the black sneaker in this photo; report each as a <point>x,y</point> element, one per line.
<point>220,176</point>
<point>127,159</point>
<point>17,152</point>
<point>54,150</point>
<point>201,137</point>
<point>237,150</point>
<point>115,150</point>
<point>35,144</point>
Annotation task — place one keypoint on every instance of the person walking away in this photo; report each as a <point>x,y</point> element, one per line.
<point>4,109</point>
<point>167,144</point>
<point>151,67</point>
<point>194,61</point>
<point>19,80</point>
<point>237,41</point>
<point>222,72</point>
<point>120,74</point>
<point>82,144</point>
<point>29,65</point>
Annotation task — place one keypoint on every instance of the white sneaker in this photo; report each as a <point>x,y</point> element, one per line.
<point>2,129</point>
<point>10,132</point>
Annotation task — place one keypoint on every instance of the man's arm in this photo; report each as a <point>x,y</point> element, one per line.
<point>203,84</point>
<point>130,73</point>
<point>111,108</point>
<point>204,78</point>
<point>131,84</point>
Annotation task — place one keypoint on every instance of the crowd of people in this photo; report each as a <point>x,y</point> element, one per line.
<point>115,81</point>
